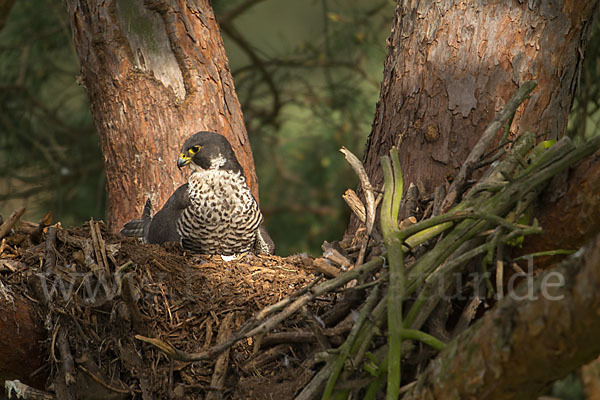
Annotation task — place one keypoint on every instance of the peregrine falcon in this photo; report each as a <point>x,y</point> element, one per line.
<point>215,212</point>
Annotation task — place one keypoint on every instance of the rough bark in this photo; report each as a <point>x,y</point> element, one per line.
<point>569,211</point>
<point>155,72</point>
<point>526,341</point>
<point>21,334</point>
<point>451,66</point>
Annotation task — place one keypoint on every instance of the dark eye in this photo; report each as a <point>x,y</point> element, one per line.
<point>194,150</point>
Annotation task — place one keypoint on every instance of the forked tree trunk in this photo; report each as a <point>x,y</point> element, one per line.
<point>453,64</point>
<point>155,72</point>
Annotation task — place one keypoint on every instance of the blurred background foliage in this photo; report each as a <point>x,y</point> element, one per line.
<point>307,75</point>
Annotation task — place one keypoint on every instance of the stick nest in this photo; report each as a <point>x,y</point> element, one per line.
<point>97,291</point>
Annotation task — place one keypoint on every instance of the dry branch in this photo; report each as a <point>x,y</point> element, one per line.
<point>222,363</point>
<point>18,390</point>
<point>357,206</point>
<point>371,206</point>
<point>11,221</point>
<point>50,261</point>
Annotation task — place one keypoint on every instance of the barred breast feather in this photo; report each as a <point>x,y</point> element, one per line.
<point>222,217</point>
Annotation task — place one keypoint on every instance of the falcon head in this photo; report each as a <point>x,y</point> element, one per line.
<point>208,150</point>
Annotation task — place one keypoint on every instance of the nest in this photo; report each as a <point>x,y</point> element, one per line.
<point>103,297</point>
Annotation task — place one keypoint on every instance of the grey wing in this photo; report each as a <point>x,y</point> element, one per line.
<point>163,227</point>
<point>263,244</point>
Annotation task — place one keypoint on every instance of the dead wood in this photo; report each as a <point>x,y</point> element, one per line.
<point>10,222</point>
<point>37,231</point>
<point>18,390</point>
<point>50,261</point>
<point>357,206</point>
<point>220,370</point>
<point>65,388</point>
<point>371,200</point>
<point>322,265</point>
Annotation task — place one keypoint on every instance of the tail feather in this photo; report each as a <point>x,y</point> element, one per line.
<point>134,228</point>
<point>139,227</point>
<point>264,244</point>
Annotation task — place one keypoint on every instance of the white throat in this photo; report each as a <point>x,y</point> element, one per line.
<point>217,162</point>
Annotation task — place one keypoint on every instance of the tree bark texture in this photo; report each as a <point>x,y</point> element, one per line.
<point>155,72</point>
<point>21,335</point>
<point>453,64</point>
<point>569,211</point>
<point>528,340</point>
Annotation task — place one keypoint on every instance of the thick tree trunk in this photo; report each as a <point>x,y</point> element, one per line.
<point>155,72</point>
<point>535,335</point>
<point>569,211</point>
<point>452,64</point>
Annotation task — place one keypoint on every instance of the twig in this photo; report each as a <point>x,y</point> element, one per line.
<point>99,248</point>
<point>341,309</point>
<point>17,390</point>
<point>466,316</point>
<point>333,255</point>
<point>222,363</point>
<point>65,386</point>
<point>414,334</point>
<point>316,326</point>
<point>483,143</point>
<point>50,257</point>
<point>36,233</point>
<point>371,205</point>
<point>101,382</point>
<point>127,293</point>
<point>10,222</point>
<point>321,265</point>
<point>277,338</point>
<point>314,389</point>
<point>266,357</point>
<point>357,206</point>
<point>500,271</point>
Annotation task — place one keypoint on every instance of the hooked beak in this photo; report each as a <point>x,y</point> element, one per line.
<point>183,160</point>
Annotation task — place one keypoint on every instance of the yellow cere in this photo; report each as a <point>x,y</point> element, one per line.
<point>183,156</point>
